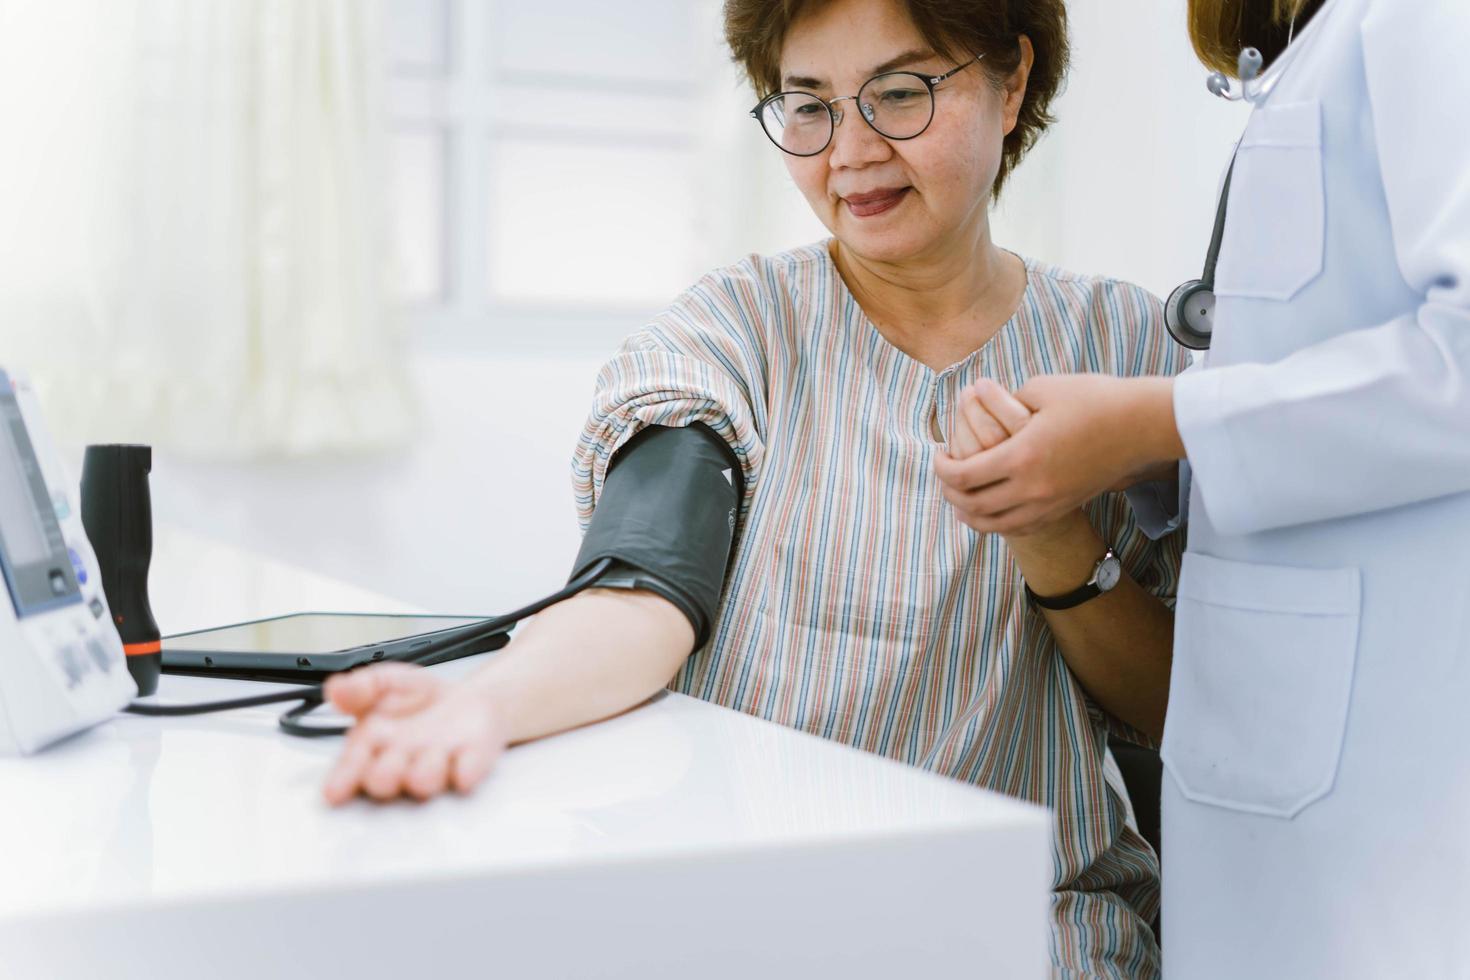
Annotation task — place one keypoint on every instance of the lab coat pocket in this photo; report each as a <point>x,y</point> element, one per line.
<point>1263,670</point>
<point>1273,239</point>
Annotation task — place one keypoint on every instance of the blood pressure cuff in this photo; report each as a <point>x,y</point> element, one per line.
<point>667,517</point>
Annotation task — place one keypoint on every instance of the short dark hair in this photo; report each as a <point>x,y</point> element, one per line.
<point>755,30</point>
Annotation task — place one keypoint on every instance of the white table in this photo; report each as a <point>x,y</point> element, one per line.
<point>679,840</point>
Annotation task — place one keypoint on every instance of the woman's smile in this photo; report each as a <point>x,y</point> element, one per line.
<point>873,203</point>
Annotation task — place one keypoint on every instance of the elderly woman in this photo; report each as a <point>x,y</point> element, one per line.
<point>857,607</point>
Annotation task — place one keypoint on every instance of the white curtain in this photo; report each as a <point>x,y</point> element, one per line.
<point>192,223</point>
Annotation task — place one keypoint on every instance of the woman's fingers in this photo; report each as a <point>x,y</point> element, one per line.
<point>384,777</point>
<point>988,431</point>
<point>345,778</point>
<point>470,765</point>
<point>421,738</point>
<point>1001,405</point>
<point>408,692</point>
<point>359,691</point>
<point>428,774</point>
<point>962,440</point>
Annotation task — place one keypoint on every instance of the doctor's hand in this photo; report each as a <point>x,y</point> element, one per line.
<point>1086,433</point>
<point>416,734</point>
<point>986,416</point>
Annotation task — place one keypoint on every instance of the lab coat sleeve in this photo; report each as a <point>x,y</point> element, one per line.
<point>701,360</point>
<point>1161,506</point>
<point>1378,417</point>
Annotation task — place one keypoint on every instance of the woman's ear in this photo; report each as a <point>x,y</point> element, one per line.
<point>1015,86</point>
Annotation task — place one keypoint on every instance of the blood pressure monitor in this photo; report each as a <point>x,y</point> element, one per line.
<point>62,667</point>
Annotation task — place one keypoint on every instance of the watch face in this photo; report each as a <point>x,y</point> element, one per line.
<point>1109,573</point>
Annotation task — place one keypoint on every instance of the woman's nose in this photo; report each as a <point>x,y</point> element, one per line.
<point>860,144</point>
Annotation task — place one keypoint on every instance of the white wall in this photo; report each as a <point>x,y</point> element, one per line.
<point>1125,182</point>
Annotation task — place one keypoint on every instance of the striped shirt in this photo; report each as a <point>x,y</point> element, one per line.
<point>857,606</point>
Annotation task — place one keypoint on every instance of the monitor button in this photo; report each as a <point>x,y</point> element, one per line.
<point>58,582</point>
<point>72,664</point>
<point>98,653</point>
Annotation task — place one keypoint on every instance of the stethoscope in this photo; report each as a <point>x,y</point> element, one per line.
<point>1189,312</point>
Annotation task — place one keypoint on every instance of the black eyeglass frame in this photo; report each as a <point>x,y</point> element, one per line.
<point>931,82</point>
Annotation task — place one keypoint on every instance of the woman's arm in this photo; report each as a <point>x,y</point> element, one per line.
<point>1119,645</point>
<point>586,659</point>
<point>604,651</point>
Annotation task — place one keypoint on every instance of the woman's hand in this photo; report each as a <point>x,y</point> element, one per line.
<point>1086,433</point>
<point>989,415</point>
<point>416,734</point>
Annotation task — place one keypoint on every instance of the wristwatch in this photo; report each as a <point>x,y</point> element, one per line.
<point>1106,575</point>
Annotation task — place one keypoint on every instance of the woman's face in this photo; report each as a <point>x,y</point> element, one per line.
<point>896,200</point>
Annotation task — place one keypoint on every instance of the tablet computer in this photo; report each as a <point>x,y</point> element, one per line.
<point>308,646</point>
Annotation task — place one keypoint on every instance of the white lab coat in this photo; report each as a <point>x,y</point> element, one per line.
<point>1316,812</point>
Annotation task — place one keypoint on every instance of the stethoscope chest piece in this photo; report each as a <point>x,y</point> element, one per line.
<point>1189,313</point>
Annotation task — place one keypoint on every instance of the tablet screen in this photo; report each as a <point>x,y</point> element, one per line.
<point>312,633</point>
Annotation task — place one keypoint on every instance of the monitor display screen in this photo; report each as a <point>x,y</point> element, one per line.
<point>20,527</point>
<point>312,633</point>
<point>33,555</point>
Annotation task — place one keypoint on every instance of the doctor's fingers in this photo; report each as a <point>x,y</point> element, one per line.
<point>1001,405</point>
<point>1024,519</point>
<point>984,468</point>
<point>1000,506</point>
<point>1018,521</point>
<point>981,517</point>
<point>987,429</point>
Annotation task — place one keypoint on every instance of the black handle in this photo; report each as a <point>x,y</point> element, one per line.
<point>117,513</point>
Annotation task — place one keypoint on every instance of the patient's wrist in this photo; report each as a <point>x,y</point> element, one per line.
<point>1060,556</point>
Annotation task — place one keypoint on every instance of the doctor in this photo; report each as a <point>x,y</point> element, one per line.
<point>1316,816</point>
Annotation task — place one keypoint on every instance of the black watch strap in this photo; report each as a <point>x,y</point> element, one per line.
<point>1095,587</point>
<point>1071,599</point>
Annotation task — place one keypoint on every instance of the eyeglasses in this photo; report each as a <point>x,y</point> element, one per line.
<point>898,105</point>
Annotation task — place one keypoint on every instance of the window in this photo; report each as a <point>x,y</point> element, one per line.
<point>546,162</point>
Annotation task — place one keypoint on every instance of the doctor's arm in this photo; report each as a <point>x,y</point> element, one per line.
<point>1378,417</point>
<point>1370,419</point>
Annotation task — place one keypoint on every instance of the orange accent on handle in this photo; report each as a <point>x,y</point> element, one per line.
<point>142,649</point>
